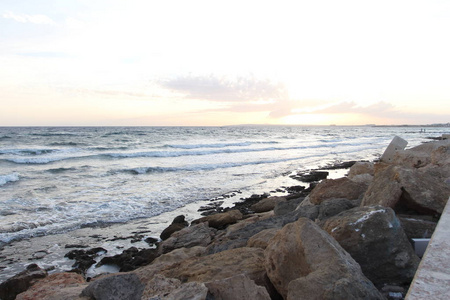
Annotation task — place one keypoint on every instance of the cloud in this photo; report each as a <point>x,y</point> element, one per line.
<point>222,89</point>
<point>24,18</point>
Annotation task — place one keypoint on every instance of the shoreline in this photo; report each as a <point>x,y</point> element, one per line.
<point>48,251</point>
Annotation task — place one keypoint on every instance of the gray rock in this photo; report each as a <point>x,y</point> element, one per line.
<point>267,204</point>
<point>415,227</point>
<point>375,239</point>
<point>116,287</point>
<point>337,188</point>
<point>283,208</point>
<point>221,220</point>
<point>332,207</point>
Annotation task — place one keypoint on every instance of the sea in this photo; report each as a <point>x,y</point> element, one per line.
<point>57,180</point>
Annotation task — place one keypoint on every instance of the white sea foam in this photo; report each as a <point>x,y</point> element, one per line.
<point>4,179</point>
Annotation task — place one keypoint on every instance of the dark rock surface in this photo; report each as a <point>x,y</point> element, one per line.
<point>116,287</point>
<point>84,259</point>
<point>21,282</point>
<point>130,259</point>
<point>178,223</point>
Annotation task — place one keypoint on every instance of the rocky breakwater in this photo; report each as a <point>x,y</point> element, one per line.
<point>348,239</point>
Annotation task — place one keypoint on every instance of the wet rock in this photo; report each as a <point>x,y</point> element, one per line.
<point>130,259</point>
<point>221,220</point>
<point>84,259</point>
<point>340,165</point>
<point>19,283</point>
<point>65,285</point>
<point>238,287</point>
<point>196,235</point>
<point>375,238</point>
<point>115,287</point>
<point>267,204</point>
<point>313,176</point>
<point>304,262</point>
<point>177,224</point>
<point>337,188</point>
<point>245,204</point>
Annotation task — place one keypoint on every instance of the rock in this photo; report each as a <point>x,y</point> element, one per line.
<point>337,188</point>
<point>285,207</point>
<point>435,152</point>
<point>190,290</point>
<point>130,259</point>
<point>313,176</point>
<point>19,283</point>
<point>304,262</point>
<point>441,157</point>
<point>332,207</point>
<point>239,237</point>
<point>177,224</point>
<point>84,259</point>
<point>360,168</point>
<point>167,260</point>
<point>423,190</point>
<point>115,287</point>
<point>238,287</point>
<point>267,204</point>
<point>417,228</point>
<point>221,220</point>
<point>385,188</point>
<point>219,266</point>
<point>262,238</point>
<point>159,285</point>
<point>375,239</point>
<point>196,235</point>
<point>55,286</point>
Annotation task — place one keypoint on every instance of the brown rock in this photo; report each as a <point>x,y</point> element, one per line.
<point>19,283</point>
<point>238,287</point>
<point>360,168</point>
<point>423,190</point>
<point>55,286</point>
<point>337,188</point>
<point>375,239</point>
<point>261,239</point>
<point>437,153</point>
<point>221,220</point>
<point>304,262</point>
<point>267,204</point>
<point>160,285</point>
<point>196,235</point>
<point>222,265</point>
<point>115,287</point>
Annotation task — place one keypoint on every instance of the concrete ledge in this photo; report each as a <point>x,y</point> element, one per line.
<point>432,279</point>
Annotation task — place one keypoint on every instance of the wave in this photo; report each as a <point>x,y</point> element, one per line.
<point>4,179</point>
<point>27,151</point>
<point>60,170</point>
<point>216,145</point>
<point>54,134</point>
<point>35,160</point>
<point>66,144</point>
<point>5,137</point>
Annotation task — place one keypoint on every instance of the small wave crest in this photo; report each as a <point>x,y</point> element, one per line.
<point>27,151</point>
<point>60,170</point>
<point>4,179</point>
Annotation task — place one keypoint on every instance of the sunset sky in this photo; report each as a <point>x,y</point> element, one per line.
<point>229,62</point>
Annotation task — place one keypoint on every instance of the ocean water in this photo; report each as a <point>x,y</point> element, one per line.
<point>58,179</point>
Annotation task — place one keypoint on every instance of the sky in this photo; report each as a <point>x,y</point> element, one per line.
<point>161,63</point>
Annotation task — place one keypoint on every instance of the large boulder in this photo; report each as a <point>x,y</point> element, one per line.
<point>221,220</point>
<point>196,235</point>
<point>337,188</point>
<point>56,286</point>
<point>304,262</point>
<point>361,172</point>
<point>437,153</point>
<point>267,204</point>
<point>423,190</point>
<point>287,206</point>
<point>19,283</point>
<point>262,238</point>
<point>375,239</point>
